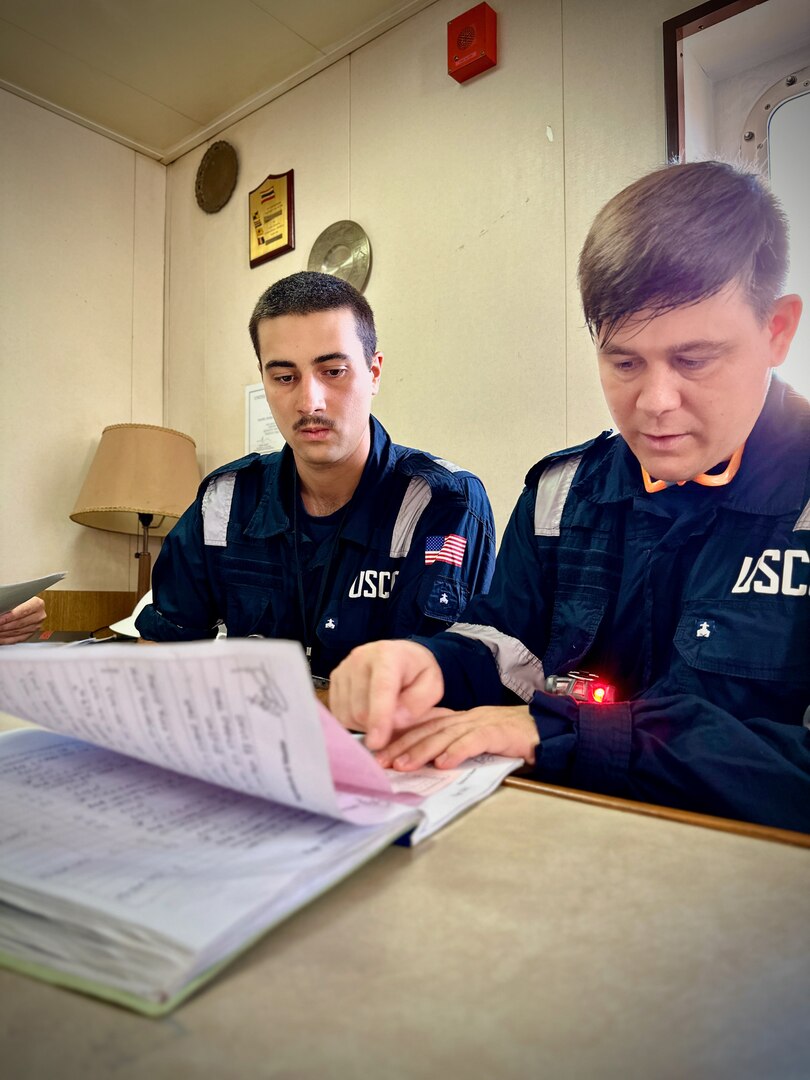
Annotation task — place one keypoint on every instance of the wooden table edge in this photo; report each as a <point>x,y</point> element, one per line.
<point>684,817</point>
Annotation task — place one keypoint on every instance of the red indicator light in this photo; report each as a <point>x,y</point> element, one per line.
<point>582,686</point>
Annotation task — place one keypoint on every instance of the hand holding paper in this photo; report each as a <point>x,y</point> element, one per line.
<point>22,622</point>
<point>22,612</point>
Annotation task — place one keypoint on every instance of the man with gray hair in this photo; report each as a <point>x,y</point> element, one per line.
<point>669,562</point>
<point>343,536</point>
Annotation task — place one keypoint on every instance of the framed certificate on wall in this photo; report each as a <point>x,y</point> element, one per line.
<point>261,433</point>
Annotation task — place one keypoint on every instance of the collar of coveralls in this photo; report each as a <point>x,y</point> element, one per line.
<point>704,479</point>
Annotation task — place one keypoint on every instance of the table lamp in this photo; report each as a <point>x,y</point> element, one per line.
<point>140,481</point>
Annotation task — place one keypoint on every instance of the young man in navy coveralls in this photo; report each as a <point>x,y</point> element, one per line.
<point>343,537</point>
<point>671,559</point>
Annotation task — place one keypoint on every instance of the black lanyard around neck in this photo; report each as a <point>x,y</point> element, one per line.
<point>307,628</point>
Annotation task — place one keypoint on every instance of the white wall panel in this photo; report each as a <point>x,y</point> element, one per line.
<point>211,287</point>
<point>71,285</point>
<point>148,240</point>
<point>461,192</point>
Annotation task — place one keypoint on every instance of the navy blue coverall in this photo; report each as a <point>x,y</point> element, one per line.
<point>416,541</point>
<point>693,601</point>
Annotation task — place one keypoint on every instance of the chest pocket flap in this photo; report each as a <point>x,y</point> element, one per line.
<point>443,598</point>
<point>750,638</point>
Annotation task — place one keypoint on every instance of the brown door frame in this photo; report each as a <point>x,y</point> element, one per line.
<point>675,30</point>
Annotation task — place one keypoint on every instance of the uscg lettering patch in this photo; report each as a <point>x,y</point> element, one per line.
<point>775,572</point>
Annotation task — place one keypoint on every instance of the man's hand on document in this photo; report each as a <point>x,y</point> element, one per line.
<point>389,690</point>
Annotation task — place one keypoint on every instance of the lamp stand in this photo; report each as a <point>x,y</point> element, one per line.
<point>143,556</point>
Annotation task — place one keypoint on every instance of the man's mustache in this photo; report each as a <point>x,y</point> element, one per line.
<point>313,421</point>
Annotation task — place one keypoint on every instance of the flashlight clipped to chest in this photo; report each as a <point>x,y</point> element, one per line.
<point>582,686</point>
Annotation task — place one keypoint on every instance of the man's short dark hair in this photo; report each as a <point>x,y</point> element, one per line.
<point>678,236</point>
<point>307,292</point>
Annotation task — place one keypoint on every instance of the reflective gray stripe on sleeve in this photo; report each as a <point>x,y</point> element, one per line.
<point>519,669</point>
<point>447,465</point>
<point>417,496</point>
<point>216,509</point>
<point>552,491</point>
<point>804,520</point>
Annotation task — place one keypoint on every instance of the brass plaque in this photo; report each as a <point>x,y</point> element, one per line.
<point>271,210</point>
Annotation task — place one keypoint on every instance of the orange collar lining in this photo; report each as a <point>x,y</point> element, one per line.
<point>704,479</point>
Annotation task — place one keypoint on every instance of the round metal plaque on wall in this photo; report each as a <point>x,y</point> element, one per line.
<point>216,177</point>
<point>343,249</point>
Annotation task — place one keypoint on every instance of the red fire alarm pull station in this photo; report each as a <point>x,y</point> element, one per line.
<point>471,43</point>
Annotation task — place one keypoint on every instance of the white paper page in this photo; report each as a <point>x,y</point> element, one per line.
<point>188,860</point>
<point>476,778</point>
<point>239,713</point>
<point>365,789</point>
<point>20,591</point>
<point>439,794</point>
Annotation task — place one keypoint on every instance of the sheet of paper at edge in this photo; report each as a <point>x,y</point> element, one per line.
<point>19,591</point>
<point>349,762</point>
<point>126,627</point>
<point>155,1009</point>
<point>262,435</point>
<point>356,771</point>
<point>441,803</point>
<point>313,778</point>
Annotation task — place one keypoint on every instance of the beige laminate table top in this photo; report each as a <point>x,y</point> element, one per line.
<point>534,937</point>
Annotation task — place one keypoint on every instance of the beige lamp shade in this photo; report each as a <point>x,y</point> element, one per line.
<point>138,469</point>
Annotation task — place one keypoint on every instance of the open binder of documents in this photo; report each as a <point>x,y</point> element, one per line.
<point>184,800</point>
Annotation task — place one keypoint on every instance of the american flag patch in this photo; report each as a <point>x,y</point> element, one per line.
<point>447,549</point>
